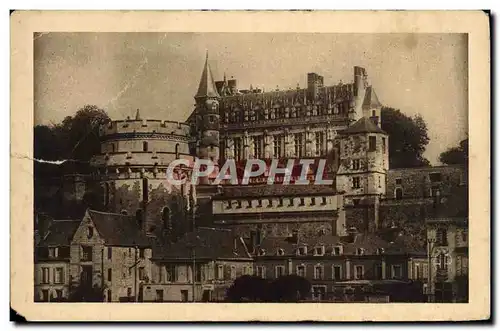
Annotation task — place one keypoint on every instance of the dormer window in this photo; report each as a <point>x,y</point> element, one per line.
<point>302,250</point>
<point>319,251</point>
<point>337,250</point>
<point>360,251</point>
<point>280,252</point>
<point>90,232</point>
<point>261,252</point>
<point>380,251</point>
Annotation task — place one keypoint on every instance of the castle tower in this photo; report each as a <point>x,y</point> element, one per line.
<point>207,117</point>
<point>364,162</point>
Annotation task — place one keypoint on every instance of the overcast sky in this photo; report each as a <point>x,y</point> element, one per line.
<point>159,72</point>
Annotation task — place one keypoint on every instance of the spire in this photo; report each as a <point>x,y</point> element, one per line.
<point>207,86</point>
<point>371,99</point>
<point>137,115</point>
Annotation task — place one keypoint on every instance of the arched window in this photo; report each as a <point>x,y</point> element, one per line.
<point>165,217</point>
<point>176,151</point>
<point>144,146</point>
<point>106,194</point>
<point>398,193</point>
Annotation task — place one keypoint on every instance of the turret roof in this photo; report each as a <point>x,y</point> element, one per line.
<point>371,99</point>
<point>363,125</point>
<point>207,86</point>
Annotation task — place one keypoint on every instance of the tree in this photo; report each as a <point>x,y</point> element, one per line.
<point>456,155</point>
<point>408,138</point>
<point>247,288</point>
<point>75,138</point>
<point>289,288</point>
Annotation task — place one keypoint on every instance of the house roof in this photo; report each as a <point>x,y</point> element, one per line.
<point>119,230</point>
<point>370,242</point>
<point>363,125</point>
<point>371,100</point>
<point>207,86</point>
<point>208,243</point>
<point>60,233</point>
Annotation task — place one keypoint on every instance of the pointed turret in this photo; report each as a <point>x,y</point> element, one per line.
<point>371,99</point>
<point>207,88</point>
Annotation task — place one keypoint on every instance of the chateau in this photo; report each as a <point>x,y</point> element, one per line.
<point>153,241</point>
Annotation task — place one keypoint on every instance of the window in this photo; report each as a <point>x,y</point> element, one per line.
<point>355,164</point>
<point>176,151</point>
<point>318,272</point>
<point>165,217</point>
<point>45,275</point>
<point>443,292</point>
<point>139,216</point>
<point>398,181</point>
<point>398,193</point>
<point>302,250</point>
<point>355,202</point>
<point>359,272</point>
<point>258,142</point>
<point>280,252</point>
<point>380,251</point>
<point>360,251</point>
<point>435,192</point>
<point>299,144</point>
<point>184,295</point>
<point>110,271</point>
<point>278,145</point>
<point>378,271</point>
<point>302,202</point>
<point>464,235</point>
<point>442,237</point>
<point>319,251</point>
<point>142,252</point>
<point>337,250</point>
<point>45,295</point>
<point>144,146</point>
<point>53,252</point>
<point>261,271</point>
<point>58,276</point>
<point>129,252</point>
<point>323,200</point>
<point>383,145</point>
<point>301,270</point>
<point>90,232</point>
<point>129,292</point>
<point>320,142</point>
<point>86,253</point>
<point>233,272</point>
<point>220,272</point>
<point>442,261</point>
<point>110,253</point>
<point>59,294</point>
<point>435,177</point>
<point>419,274</point>
<point>142,274</point>
<point>159,296</point>
<point>356,182</point>
<point>237,148</point>
<point>279,271</point>
<point>109,295</point>
<point>337,272</point>
<point>397,272</point>
<point>171,274</point>
<point>372,142</point>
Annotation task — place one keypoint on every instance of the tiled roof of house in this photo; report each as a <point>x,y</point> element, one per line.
<point>119,230</point>
<point>59,233</point>
<point>208,243</point>
<point>363,125</point>
<point>369,242</point>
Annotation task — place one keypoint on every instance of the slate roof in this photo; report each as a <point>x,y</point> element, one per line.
<point>371,100</point>
<point>207,86</point>
<point>209,243</point>
<point>119,230</point>
<point>60,233</point>
<point>370,242</point>
<point>363,125</point>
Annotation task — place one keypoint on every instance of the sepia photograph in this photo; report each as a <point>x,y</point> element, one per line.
<point>251,167</point>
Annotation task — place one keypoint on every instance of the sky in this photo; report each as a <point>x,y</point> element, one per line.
<point>159,73</point>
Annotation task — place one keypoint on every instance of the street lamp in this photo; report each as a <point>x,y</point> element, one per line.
<point>430,243</point>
